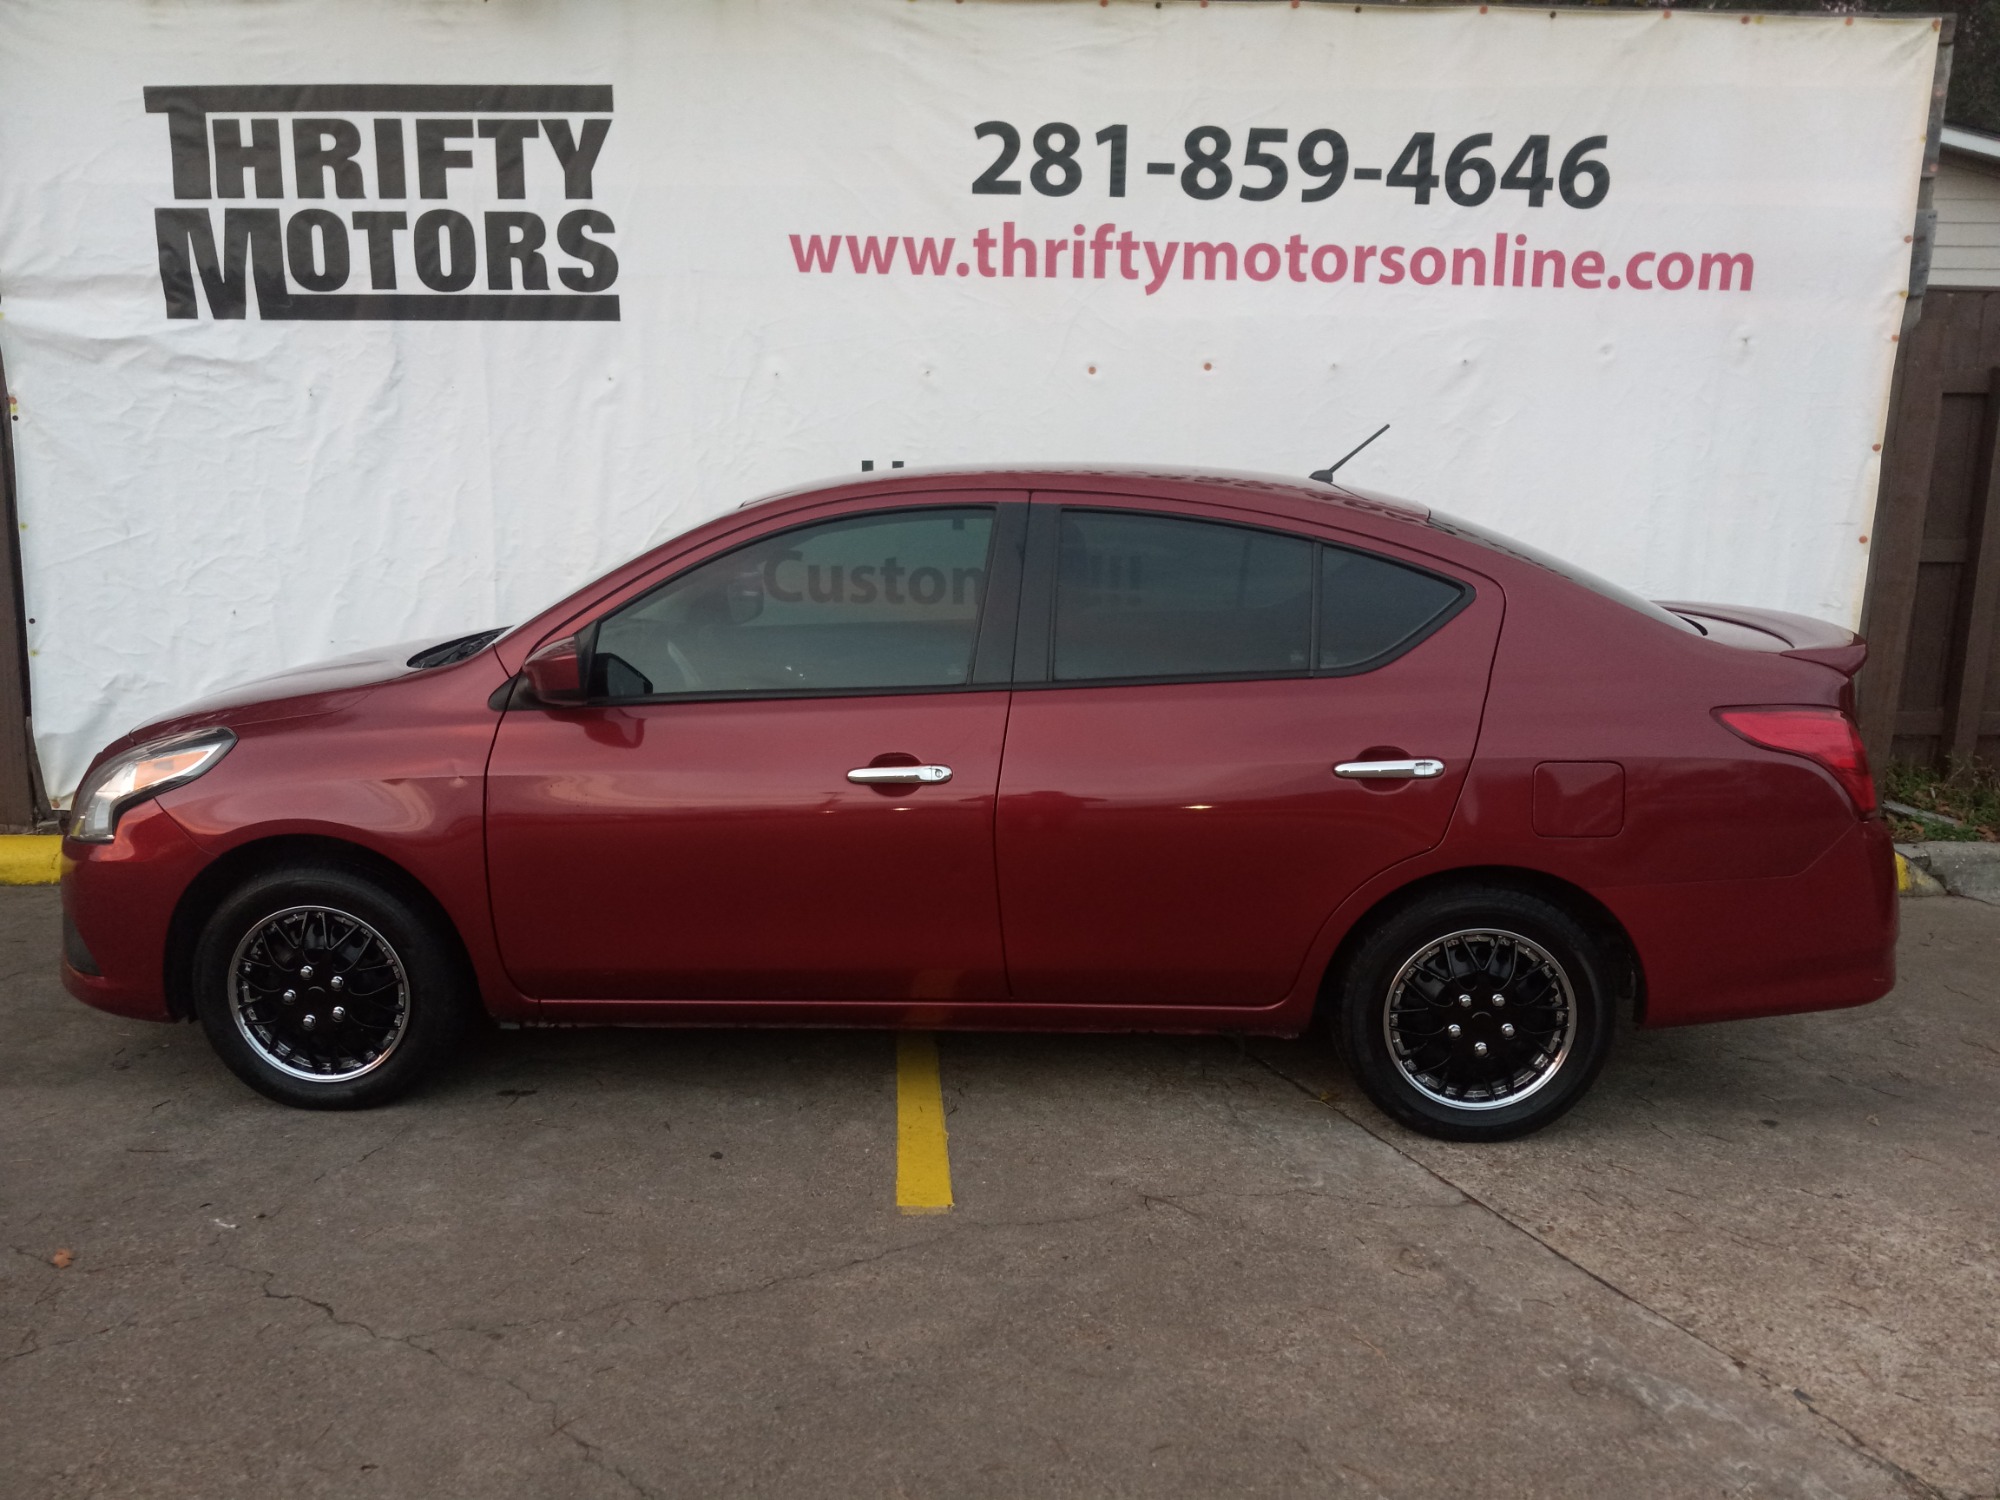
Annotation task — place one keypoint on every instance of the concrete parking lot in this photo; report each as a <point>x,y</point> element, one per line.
<point>1759,1260</point>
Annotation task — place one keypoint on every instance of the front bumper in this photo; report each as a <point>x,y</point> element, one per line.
<point>118,903</point>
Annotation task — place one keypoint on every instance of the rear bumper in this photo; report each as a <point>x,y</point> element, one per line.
<point>118,904</point>
<point>1731,949</point>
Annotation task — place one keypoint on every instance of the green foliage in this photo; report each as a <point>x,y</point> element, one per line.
<point>1969,792</point>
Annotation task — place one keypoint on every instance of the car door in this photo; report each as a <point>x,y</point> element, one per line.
<point>1172,828</point>
<point>782,785</point>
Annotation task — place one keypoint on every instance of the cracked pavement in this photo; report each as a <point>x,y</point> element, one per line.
<point>1759,1260</point>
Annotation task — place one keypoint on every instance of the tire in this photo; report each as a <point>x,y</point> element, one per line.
<point>1421,1017</point>
<point>378,994</point>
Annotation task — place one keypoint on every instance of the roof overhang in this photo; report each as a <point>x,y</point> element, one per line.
<point>1974,143</point>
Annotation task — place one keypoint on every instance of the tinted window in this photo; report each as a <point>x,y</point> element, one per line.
<point>1369,605</point>
<point>1155,596</point>
<point>881,601</point>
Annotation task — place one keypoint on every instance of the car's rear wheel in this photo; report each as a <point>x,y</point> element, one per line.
<point>321,987</point>
<point>1477,1013</point>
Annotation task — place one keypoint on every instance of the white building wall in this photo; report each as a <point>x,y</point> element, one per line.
<point>1967,198</point>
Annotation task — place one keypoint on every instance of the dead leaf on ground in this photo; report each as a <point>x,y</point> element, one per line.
<point>61,1259</point>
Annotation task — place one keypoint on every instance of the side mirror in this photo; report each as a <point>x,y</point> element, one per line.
<point>555,673</point>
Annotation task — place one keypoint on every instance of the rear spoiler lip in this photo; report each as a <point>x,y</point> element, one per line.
<point>1805,638</point>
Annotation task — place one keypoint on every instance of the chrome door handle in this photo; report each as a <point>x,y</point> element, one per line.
<point>899,775</point>
<point>1390,770</point>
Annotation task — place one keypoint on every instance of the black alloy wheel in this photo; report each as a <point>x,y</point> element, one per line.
<point>321,987</point>
<point>319,994</point>
<point>1476,1013</point>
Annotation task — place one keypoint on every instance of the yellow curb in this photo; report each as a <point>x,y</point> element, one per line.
<point>1915,880</point>
<point>923,1158</point>
<point>30,858</point>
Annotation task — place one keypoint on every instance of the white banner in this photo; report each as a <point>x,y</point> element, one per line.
<point>338,323</point>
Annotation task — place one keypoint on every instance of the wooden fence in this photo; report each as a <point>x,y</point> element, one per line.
<point>1931,689</point>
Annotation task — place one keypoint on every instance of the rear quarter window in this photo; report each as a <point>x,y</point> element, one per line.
<point>1371,608</point>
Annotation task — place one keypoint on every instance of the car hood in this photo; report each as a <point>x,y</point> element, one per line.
<point>316,688</point>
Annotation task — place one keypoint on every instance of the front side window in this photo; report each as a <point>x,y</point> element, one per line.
<point>883,601</point>
<point>1141,596</point>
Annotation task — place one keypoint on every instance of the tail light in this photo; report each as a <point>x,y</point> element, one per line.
<point>1825,735</point>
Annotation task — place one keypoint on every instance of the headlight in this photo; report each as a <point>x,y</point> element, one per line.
<point>140,773</point>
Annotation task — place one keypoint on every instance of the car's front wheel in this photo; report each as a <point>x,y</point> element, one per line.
<point>322,988</point>
<point>1477,1013</point>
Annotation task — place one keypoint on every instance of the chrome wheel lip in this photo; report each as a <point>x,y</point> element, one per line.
<point>262,1048</point>
<point>1473,934</point>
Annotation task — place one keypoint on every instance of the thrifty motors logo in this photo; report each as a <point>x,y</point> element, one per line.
<point>370,144</point>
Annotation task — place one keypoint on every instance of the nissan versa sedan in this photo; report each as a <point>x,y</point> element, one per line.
<point>1082,749</point>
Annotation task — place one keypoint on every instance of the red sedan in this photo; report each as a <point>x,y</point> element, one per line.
<point>1090,749</point>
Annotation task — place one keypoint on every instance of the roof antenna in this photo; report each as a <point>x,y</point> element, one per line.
<point>1325,476</point>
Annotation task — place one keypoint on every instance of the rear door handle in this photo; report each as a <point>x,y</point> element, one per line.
<point>899,775</point>
<point>1390,770</point>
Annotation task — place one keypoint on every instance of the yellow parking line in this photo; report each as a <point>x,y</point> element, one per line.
<point>923,1163</point>
<point>29,858</point>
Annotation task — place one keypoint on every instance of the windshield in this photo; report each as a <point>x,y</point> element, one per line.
<point>1580,576</point>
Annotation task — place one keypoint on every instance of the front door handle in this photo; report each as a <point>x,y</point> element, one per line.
<point>899,775</point>
<point>1390,770</point>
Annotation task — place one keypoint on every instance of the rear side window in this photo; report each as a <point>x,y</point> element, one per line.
<point>1158,596</point>
<point>889,600</point>
<point>1369,606</point>
<point>1142,597</point>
